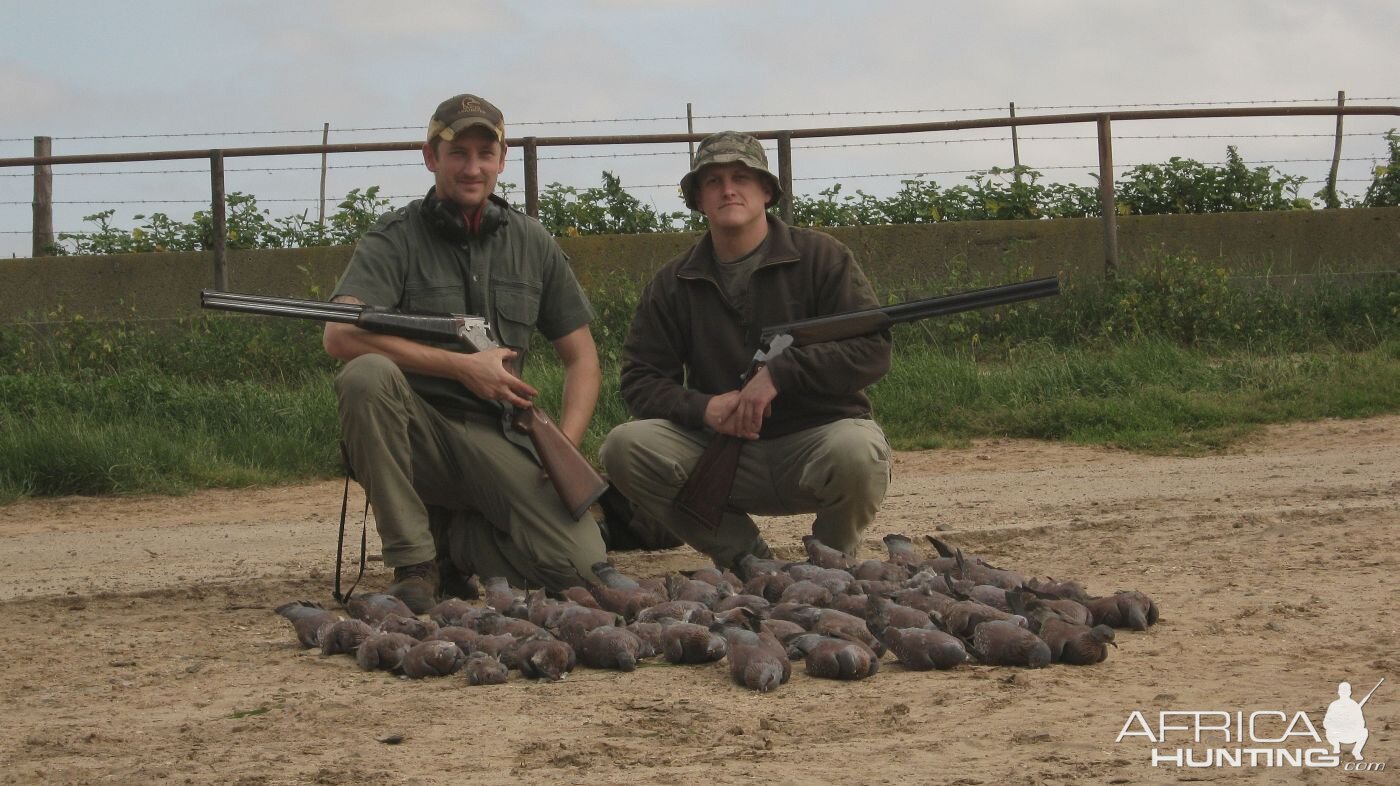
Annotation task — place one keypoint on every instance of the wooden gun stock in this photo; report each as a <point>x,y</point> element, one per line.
<point>706,491</point>
<point>578,484</point>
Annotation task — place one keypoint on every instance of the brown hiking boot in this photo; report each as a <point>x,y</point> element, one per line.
<point>416,586</point>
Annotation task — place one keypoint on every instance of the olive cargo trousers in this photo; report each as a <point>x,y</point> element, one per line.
<point>498,514</point>
<point>840,471</point>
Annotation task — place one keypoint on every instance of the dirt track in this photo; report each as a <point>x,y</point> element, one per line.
<point>141,646</point>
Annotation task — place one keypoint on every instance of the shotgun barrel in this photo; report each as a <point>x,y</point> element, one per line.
<point>706,491</point>
<point>578,483</point>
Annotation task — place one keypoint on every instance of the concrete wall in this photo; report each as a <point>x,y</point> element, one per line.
<point>164,286</point>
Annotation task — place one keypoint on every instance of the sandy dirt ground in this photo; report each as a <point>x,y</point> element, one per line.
<point>140,645</point>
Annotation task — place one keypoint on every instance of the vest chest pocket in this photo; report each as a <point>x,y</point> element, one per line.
<point>517,311</point>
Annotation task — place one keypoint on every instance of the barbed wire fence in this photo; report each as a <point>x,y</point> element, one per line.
<point>651,175</point>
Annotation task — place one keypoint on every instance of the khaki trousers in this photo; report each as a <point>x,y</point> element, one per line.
<point>491,504</point>
<point>840,471</point>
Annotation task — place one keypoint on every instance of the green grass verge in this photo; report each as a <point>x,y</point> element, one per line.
<point>138,432</point>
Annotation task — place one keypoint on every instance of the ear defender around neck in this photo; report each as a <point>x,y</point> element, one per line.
<point>446,218</point>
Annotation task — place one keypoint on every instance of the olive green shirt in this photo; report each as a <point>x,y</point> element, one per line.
<point>516,276</point>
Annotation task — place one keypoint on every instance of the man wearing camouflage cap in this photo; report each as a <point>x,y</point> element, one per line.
<point>421,422</point>
<point>813,446</point>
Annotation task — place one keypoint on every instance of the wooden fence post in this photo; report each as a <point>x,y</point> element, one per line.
<point>1332,200</point>
<point>1107,204</point>
<point>1015,147</point>
<point>219,219</point>
<point>532,178</point>
<point>785,173</point>
<point>43,199</point>
<point>321,214</point>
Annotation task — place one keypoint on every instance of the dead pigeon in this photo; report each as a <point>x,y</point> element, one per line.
<point>963,617</point>
<point>782,630</point>
<point>757,661</point>
<point>623,600</point>
<point>834,658</point>
<point>834,579</point>
<point>976,568</point>
<point>373,607</point>
<point>432,659</point>
<point>307,618</point>
<point>922,649</point>
<point>875,587</point>
<point>384,651</point>
<point>1037,609</point>
<point>1070,590</point>
<point>581,596</point>
<point>685,642</point>
<point>883,613</point>
<point>716,577</point>
<point>754,603</point>
<point>451,611</point>
<point>499,645</point>
<point>545,659</point>
<point>902,550</point>
<point>924,599</point>
<point>418,629</point>
<point>877,570</point>
<point>650,634</point>
<point>855,605</point>
<point>820,554</point>
<point>464,638</point>
<point>342,637</point>
<point>575,628</point>
<point>1002,643</point>
<point>1124,609</point>
<point>838,624</point>
<point>800,613</point>
<point>808,592</point>
<point>750,566</point>
<point>1077,645</point>
<point>768,586</point>
<point>681,588</point>
<point>612,578</point>
<point>482,669</point>
<point>503,598</point>
<point>610,648</point>
<point>678,610</point>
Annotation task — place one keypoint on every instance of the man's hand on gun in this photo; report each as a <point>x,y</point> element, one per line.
<point>740,413</point>
<point>488,374</point>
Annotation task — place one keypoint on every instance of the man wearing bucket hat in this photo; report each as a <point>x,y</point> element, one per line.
<point>421,422</point>
<point>813,446</point>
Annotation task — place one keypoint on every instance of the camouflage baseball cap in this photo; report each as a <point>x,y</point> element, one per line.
<point>726,147</point>
<point>462,112</point>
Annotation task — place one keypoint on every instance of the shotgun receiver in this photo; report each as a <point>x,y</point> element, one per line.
<point>578,484</point>
<point>706,491</point>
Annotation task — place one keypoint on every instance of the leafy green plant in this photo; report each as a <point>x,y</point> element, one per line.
<point>1384,190</point>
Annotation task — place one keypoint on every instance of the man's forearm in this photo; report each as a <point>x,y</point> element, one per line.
<point>581,384</point>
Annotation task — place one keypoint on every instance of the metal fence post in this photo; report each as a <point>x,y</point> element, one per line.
<point>1107,204</point>
<point>532,178</point>
<point>43,198</point>
<point>219,219</point>
<point>785,173</point>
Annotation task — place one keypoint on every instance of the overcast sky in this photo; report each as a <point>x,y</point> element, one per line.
<point>80,69</point>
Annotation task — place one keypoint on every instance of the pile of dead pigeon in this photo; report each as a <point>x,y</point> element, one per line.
<point>836,614</point>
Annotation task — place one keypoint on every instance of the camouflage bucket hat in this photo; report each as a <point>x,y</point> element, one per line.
<point>727,147</point>
<point>463,111</point>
